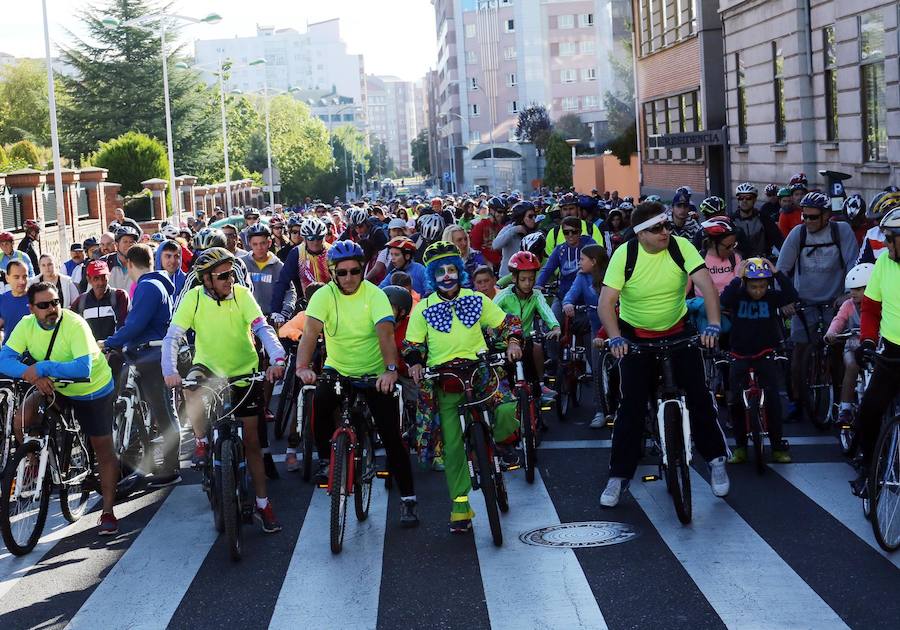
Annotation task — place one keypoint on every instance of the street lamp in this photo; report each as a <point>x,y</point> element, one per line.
<point>141,23</point>
<point>573,142</point>
<point>54,140</point>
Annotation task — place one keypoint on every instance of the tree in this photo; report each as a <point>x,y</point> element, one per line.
<point>26,152</point>
<point>534,127</point>
<point>245,125</point>
<point>570,126</point>
<point>558,173</point>
<point>421,162</point>
<point>381,165</point>
<point>619,105</point>
<point>117,88</point>
<point>299,146</point>
<point>131,159</point>
<point>24,109</point>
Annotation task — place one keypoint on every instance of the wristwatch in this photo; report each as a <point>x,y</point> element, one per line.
<point>390,367</point>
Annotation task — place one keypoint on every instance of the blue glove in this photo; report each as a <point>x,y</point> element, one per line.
<point>712,330</point>
<point>617,342</point>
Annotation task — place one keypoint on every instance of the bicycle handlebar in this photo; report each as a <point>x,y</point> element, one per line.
<point>231,380</point>
<point>662,346</point>
<point>853,332</point>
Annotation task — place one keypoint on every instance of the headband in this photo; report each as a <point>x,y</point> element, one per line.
<point>660,218</point>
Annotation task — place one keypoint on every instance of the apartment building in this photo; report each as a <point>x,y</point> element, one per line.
<point>392,116</point>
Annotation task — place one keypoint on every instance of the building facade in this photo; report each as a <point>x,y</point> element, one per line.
<point>391,109</point>
<point>813,86</point>
<point>497,57</point>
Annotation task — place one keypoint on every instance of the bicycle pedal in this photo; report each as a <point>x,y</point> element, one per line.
<point>647,478</point>
<point>513,467</point>
<point>382,474</point>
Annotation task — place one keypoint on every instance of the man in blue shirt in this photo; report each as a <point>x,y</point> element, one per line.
<point>8,253</point>
<point>13,303</point>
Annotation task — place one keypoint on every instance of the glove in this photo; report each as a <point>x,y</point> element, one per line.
<point>278,319</point>
<point>617,342</point>
<point>712,330</point>
<point>865,353</point>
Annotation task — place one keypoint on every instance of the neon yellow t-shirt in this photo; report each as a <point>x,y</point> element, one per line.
<point>461,342</point>
<point>224,341</point>
<point>653,298</point>
<point>884,287</point>
<point>351,342</point>
<point>73,340</point>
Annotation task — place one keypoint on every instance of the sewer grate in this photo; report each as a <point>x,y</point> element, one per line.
<point>580,535</point>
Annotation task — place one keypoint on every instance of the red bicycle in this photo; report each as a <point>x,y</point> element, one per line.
<point>571,369</point>
<point>754,399</point>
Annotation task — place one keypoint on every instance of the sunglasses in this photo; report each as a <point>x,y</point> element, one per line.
<point>45,305</point>
<point>342,273</point>
<point>224,276</point>
<point>313,238</point>
<point>571,232</point>
<point>811,217</point>
<point>529,216</point>
<point>659,227</point>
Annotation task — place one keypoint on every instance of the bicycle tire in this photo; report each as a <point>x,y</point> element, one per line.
<point>884,487</point>
<point>213,494</point>
<point>306,438</point>
<point>14,543</point>
<point>562,394</point>
<point>486,482</point>
<point>229,499</point>
<point>365,472</point>
<point>756,435</point>
<point>678,471</point>
<point>818,390</point>
<point>7,415</point>
<point>339,463</point>
<point>73,450</point>
<point>528,425</point>
<point>285,403</point>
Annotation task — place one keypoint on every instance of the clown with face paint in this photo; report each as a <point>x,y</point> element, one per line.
<point>445,326</point>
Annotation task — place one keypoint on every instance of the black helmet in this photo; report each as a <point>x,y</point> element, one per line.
<point>127,230</point>
<point>520,210</point>
<point>399,298</point>
<point>496,204</point>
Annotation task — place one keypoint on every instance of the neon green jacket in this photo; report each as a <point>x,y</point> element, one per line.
<point>526,309</point>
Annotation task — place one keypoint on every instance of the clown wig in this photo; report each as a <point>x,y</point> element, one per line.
<point>432,268</point>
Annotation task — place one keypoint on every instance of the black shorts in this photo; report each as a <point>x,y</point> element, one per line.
<point>245,404</point>
<point>94,416</point>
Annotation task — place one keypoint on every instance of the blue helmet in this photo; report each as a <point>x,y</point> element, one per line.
<point>758,269</point>
<point>345,250</point>
<point>682,195</point>
<point>586,202</point>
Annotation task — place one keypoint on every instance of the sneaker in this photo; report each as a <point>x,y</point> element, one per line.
<point>437,464</point>
<point>269,465</point>
<point>291,462</point>
<point>720,484</point>
<point>738,455</point>
<point>266,518</point>
<point>198,459</point>
<point>321,477</point>
<point>613,491</point>
<point>270,417</point>
<point>860,486</point>
<point>845,418</point>
<point>547,393</point>
<point>781,457</point>
<point>463,526</point>
<point>599,421</point>
<point>408,517</point>
<point>162,481</point>
<point>108,525</point>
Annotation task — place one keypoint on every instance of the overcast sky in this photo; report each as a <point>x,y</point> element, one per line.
<point>395,36</point>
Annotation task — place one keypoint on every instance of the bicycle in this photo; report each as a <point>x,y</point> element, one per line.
<point>671,433</point>
<point>754,399</point>
<point>528,409</point>
<point>818,398</point>
<point>884,480</point>
<point>484,465</point>
<point>12,393</point>
<point>225,476</point>
<point>572,367</point>
<point>846,431</point>
<point>134,432</point>
<point>53,452</point>
<point>287,399</point>
<point>607,381</point>
<point>353,441</point>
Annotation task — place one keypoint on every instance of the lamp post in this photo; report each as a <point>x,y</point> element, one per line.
<point>573,142</point>
<point>54,139</point>
<point>141,23</point>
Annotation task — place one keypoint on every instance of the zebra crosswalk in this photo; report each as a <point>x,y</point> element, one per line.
<point>789,549</point>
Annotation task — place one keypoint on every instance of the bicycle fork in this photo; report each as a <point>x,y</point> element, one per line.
<point>43,462</point>
<point>685,427</point>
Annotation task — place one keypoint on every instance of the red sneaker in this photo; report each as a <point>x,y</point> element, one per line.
<point>198,459</point>
<point>108,525</point>
<point>266,518</point>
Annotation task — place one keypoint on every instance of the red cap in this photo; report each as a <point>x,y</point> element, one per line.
<point>97,268</point>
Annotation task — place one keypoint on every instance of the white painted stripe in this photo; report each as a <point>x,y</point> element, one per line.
<point>805,440</point>
<point>742,577</point>
<point>325,590</point>
<point>527,586</point>
<point>145,587</point>
<point>827,485</point>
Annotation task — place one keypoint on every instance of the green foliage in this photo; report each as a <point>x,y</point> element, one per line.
<point>4,157</point>
<point>381,165</point>
<point>558,173</point>
<point>24,109</point>
<point>619,106</point>
<point>131,159</point>
<point>299,147</point>
<point>571,126</point>
<point>245,126</point>
<point>25,151</point>
<point>420,155</point>
<point>534,127</point>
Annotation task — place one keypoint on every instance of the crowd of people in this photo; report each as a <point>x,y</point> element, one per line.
<point>395,286</point>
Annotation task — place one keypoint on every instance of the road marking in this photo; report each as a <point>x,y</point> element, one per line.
<point>146,585</point>
<point>527,586</point>
<point>742,577</point>
<point>804,440</point>
<point>826,484</point>
<point>325,590</point>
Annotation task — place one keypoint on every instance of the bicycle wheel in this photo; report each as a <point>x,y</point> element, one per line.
<point>365,472</point>
<point>818,389</point>
<point>74,468</point>
<point>678,471</point>
<point>562,395</point>
<point>229,498</point>
<point>22,517</point>
<point>756,434</point>
<point>306,436</point>
<point>7,414</point>
<point>340,456</point>
<point>486,482</point>
<point>846,435</point>
<point>285,403</point>
<point>884,487</point>
<point>528,425</point>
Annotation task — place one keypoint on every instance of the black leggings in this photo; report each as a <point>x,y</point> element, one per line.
<point>767,377</point>
<point>883,387</point>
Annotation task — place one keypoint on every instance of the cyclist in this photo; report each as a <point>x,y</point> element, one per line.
<point>444,326</point>
<point>265,268</point>
<point>873,245</point>
<point>854,212</point>
<point>102,307</point>
<point>509,239</point>
<point>126,236</point>
<point>224,316</point>
<point>652,306</point>
<point>484,281</point>
<point>615,228</point>
<point>485,231</point>
<point>13,303</point>
<point>148,321</point>
<point>472,258</point>
<point>306,263</point>
<point>8,254</point>
<point>685,225</point>
<point>368,232</point>
<point>170,254</point>
<point>720,257</point>
<point>847,318</point>
<point>49,272</point>
<point>358,324</point>
<point>251,220</point>
<point>790,214</point>
<point>63,343</point>
<point>565,259</point>
<point>233,241</point>
<point>569,208</point>
<point>402,250</point>
<point>431,226</point>
<point>395,227</point>
<point>205,239</point>
<point>753,301</point>
<point>294,238</point>
<point>880,314</point>
<point>770,206</point>
<point>758,234</point>
<point>173,234</point>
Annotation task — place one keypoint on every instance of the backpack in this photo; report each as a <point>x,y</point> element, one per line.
<point>835,242</point>
<point>631,256</point>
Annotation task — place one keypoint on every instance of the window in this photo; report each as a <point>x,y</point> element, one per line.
<point>470,30</point>
<point>568,49</point>
<point>511,79</point>
<point>471,57</point>
<point>588,74</point>
<point>778,82</point>
<point>675,114</point>
<point>829,59</point>
<point>664,22</point>
<point>741,99</point>
<point>473,83</point>
<point>473,110</point>
<point>474,137</point>
<point>568,75</point>
<point>592,101</point>
<point>509,52</point>
<point>565,21</point>
<point>872,86</point>
<point>585,20</point>
<point>570,104</point>
<point>587,46</point>
<point>513,107</point>
<point>509,26</point>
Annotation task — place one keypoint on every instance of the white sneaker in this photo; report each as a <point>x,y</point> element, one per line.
<point>599,421</point>
<point>720,483</point>
<point>613,491</point>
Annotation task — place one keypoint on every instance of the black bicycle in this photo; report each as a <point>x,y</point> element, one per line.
<point>225,476</point>
<point>818,395</point>
<point>884,479</point>
<point>287,400</point>
<point>571,369</point>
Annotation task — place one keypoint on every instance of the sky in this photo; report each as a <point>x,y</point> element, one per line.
<point>395,36</point>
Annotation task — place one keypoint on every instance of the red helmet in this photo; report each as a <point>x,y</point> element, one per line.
<point>6,237</point>
<point>31,224</point>
<point>403,244</point>
<point>717,227</point>
<point>524,261</point>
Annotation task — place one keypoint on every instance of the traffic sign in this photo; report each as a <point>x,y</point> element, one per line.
<point>275,172</point>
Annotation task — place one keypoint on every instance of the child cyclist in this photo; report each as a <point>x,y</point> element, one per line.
<point>753,302</point>
<point>521,300</point>
<point>846,319</point>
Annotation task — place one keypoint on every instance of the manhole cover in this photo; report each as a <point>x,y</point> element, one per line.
<point>578,535</point>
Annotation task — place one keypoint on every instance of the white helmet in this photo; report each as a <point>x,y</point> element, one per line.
<point>858,277</point>
<point>430,226</point>
<point>313,228</point>
<point>170,231</point>
<point>891,221</point>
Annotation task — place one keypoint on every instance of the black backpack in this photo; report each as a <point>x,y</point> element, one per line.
<point>631,256</point>
<point>835,242</point>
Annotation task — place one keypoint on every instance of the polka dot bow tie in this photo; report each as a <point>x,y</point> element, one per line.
<point>440,316</point>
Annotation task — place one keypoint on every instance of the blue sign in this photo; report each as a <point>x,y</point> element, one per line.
<point>837,189</point>
<point>446,176</point>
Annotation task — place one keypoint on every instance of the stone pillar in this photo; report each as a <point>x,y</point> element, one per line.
<point>111,201</point>
<point>199,198</point>
<point>70,179</point>
<point>27,184</point>
<point>92,179</point>
<point>256,197</point>
<point>158,188</point>
<point>187,193</point>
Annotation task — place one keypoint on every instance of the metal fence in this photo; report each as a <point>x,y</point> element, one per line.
<point>84,210</point>
<point>49,196</point>
<point>10,210</point>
